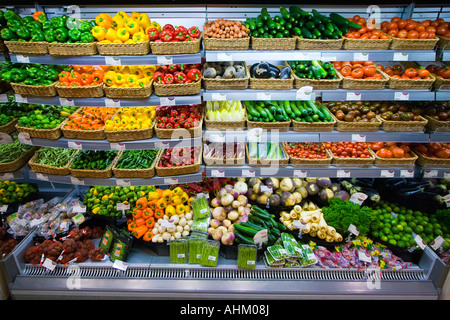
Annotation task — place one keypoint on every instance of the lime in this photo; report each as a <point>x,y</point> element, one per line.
<point>409,217</point>
<point>419,219</point>
<point>397,237</point>
<point>384,238</point>
<point>425,218</point>
<point>409,211</point>
<point>412,224</point>
<point>428,230</point>
<point>418,229</point>
<point>407,229</point>
<point>393,242</point>
<point>401,217</point>
<point>436,225</point>
<point>376,234</point>
<point>387,225</point>
<point>400,227</point>
<point>433,220</point>
<point>380,225</point>
<point>386,230</point>
<point>438,232</point>
<point>401,244</point>
<point>387,216</point>
<point>417,213</point>
<point>396,209</point>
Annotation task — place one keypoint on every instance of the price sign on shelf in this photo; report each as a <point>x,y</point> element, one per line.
<point>407,173</point>
<point>218,173</point>
<point>66,102</point>
<point>361,56</point>
<point>113,61</point>
<point>167,101</point>
<point>248,173</point>
<point>162,60</point>
<point>402,96</point>
<point>400,56</point>
<point>75,180</point>
<point>117,146</point>
<point>5,138</point>
<point>263,96</point>
<point>219,96</point>
<point>114,103</point>
<point>353,96</point>
<point>224,56</point>
<point>387,173</point>
<point>300,173</point>
<point>3,98</point>
<point>22,59</point>
<point>304,93</point>
<point>430,174</point>
<point>357,137</point>
<point>75,145</point>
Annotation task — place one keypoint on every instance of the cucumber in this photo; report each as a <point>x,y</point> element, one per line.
<point>301,108</point>
<point>242,238</point>
<point>306,33</point>
<point>263,214</point>
<point>251,225</point>
<point>295,110</point>
<point>326,113</point>
<point>250,232</point>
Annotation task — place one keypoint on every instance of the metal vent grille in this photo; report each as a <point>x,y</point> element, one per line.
<point>225,274</point>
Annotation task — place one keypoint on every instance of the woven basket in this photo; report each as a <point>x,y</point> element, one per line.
<point>39,91</point>
<point>226,162</point>
<point>403,126</point>
<point>25,48</point>
<point>72,49</point>
<point>136,173</point>
<point>413,44</point>
<point>19,162</point>
<point>129,135</point>
<point>428,162</point>
<point>10,127</point>
<point>128,92</point>
<point>83,134</point>
<point>269,126</point>
<point>168,48</point>
<point>226,84</point>
<point>352,162</point>
<point>226,44</point>
<point>411,84</point>
<point>366,44</point>
<point>123,49</point>
<point>177,89</point>
<point>80,92</point>
<point>437,125</point>
<point>281,163</point>
<point>182,132</point>
<point>300,126</point>
<point>271,84</point>
<point>356,126</point>
<point>308,163</point>
<point>443,43</point>
<point>318,84</point>
<point>366,84</point>
<point>49,134</point>
<point>441,84</point>
<point>95,174</point>
<point>319,44</point>
<point>393,162</point>
<point>178,171</point>
<point>273,43</point>
<point>60,171</point>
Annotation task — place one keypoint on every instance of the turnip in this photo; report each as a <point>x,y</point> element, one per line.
<point>223,228</point>
<point>231,228</point>
<point>241,187</point>
<point>215,202</point>
<point>235,204</point>
<point>233,215</point>
<point>228,239</point>
<point>221,192</point>
<point>210,230</point>
<point>219,213</point>
<point>226,199</point>
<point>228,208</point>
<point>216,234</point>
<point>182,222</point>
<point>229,187</point>
<point>175,219</point>
<point>241,211</point>
<point>244,218</point>
<point>226,223</point>
<point>234,193</point>
<point>243,201</point>
<point>177,235</point>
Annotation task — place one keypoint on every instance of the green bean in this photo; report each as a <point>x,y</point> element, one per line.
<point>12,151</point>
<point>54,157</point>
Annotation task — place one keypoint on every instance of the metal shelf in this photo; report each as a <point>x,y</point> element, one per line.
<point>149,59</point>
<point>433,172</point>
<point>153,100</point>
<point>439,136</point>
<point>332,55</point>
<point>377,95</point>
<point>442,95</point>
<point>376,136</point>
<point>250,94</point>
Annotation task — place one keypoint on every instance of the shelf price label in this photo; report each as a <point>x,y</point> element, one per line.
<point>3,98</point>
<point>114,103</point>
<point>437,243</point>
<point>353,96</point>
<point>419,241</point>
<point>343,173</point>
<point>406,173</point>
<point>123,182</point>
<point>361,56</point>
<point>263,96</point>
<point>66,102</point>
<point>430,174</point>
<point>75,180</point>
<point>5,138</point>
<point>219,96</point>
<point>218,173</point>
<point>170,180</point>
<point>75,145</point>
<point>42,176</point>
<point>24,138</point>
<point>117,146</point>
<point>400,56</point>
<point>6,176</point>
<point>402,96</point>
<point>22,59</point>
<point>260,237</point>
<point>357,137</point>
<point>167,101</point>
<point>300,173</point>
<point>304,93</point>
<point>113,61</point>
<point>20,99</point>
<point>305,55</point>
<point>162,60</point>
<point>387,173</point>
<point>248,173</point>
<point>224,56</point>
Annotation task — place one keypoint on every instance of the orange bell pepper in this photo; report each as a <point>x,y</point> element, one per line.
<point>104,20</point>
<point>139,231</point>
<point>147,236</point>
<point>150,223</point>
<point>142,203</point>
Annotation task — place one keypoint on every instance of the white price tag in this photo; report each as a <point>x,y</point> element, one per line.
<point>212,258</point>
<point>299,224</point>
<point>113,61</point>
<point>364,256</point>
<point>75,145</point>
<point>248,173</point>
<point>22,59</point>
<point>251,262</point>
<point>42,176</point>
<point>167,224</point>
<point>357,137</point>
<point>304,93</point>
<point>358,198</point>
<point>20,99</point>
<point>5,138</point>
<point>387,173</point>
<point>167,101</point>
<point>406,173</point>
<point>113,103</point>
<point>218,173</point>
<point>117,146</point>
<point>404,96</point>
<point>3,208</point>
<point>361,56</point>
<point>419,241</point>
<point>263,96</point>
<point>430,174</point>
<point>266,189</point>
<point>161,144</point>
<point>120,265</point>
<point>437,243</point>
<point>353,229</point>
<point>170,180</point>
<point>123,183</point>
<point>300,173</point>
<point>24,138</point>
<point>3,98</point>
<point>76,180</point>
<point>123,206</point>
<point>353,96</point>
<point>78,209</point>
<point>224,56</point>
<point>219,96</point>
<point>447,174</point>
<point>49,264</point>
<point>400,56</point>
<point>260,236</point>
<point>6,176</point>
<point>447,200</point>
<point>164,60</point>
<point>66,102</point>
<point>343,173</point>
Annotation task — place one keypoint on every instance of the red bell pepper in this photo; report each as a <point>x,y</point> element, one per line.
<point>181,33</point>
<point>166,35</point>
<point>39,16</point>
<point>163,68</point>
<point>194,74</point>
<point>168,78</point>
<point>172,68</point>
<point>194,32</point>
<point>153,34</point>
<point>168,26</point>
<point>158,77</point>
<point>180,77</point>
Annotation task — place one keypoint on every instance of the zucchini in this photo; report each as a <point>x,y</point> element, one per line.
<point>250,232</point>
<point>251,225</point>
<point>326,113</point>
<point>263,214</point>
<point>242,238</point>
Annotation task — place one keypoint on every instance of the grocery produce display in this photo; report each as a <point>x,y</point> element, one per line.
<point>128,77</point>
<point>173,74</point>
<point>225,29</point>
<point>44,116</point>
<point>32,74</point>
<point>313,69</point>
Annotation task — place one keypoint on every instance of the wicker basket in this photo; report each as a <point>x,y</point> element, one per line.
<point>437,125</point>
<point>80,92</point>
<point>226,44</point>
<point>271,84</point>
<point>25,48</point>
<point>318,84</point>
<point>319,44</point>
<point>443,43</point>
<point>60,171</point>
<point>403,126</point>
<point>72,49</point>
<point>19,162</point>
<point>441,84</point>
<point>356,126</point>
<point>10,127</point>
<point>281,126</point>
<point>226,84</point>
<point>123,49</point>
<point>177,89</point>
<point>300,126</point>
<point>136,173</point>
<point>129,92</point>
<point>168,48</point>
<point>352,162</point>
<point>411,84</point>
<point>273,43</point>
<point>366,84</point>
<point>413,44</point>
<point>393,162</point>
<point>49,134</point>
<point>226,162</point>
<point>95,174</point>
<point>308,163</point>
<point>366,44</point>
<point>176,133</point>
<point>129,135</point>
<point>281,163</point>
<point>39,91</point>
<point>428,162</point>
<point>178,171</point>
<point>83,134</point>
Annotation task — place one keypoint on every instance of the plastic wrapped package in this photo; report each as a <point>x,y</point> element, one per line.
<point>210,253</point>
<point>270,262</point>
<point>179,250</point>
<point>247,255</point>
<point>121,246</point>
<point>309,258</point>
<point>291,245</point>
<point>196,242</point>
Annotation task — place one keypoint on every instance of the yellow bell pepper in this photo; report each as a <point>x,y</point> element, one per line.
<point>170,210</point>
<point>129,41</point>
<point>119,79</point>
<point>137,71</point>
<point>111,34</point>
<point>132,27</point>
<point>149,71</point>
<point>142,82</point>
<point>139,37</point>
<point>177,191</point>
<point>184,197</point>
<point>132,80</point>
<point>122,34</point>
<point>161,203</point>
<point>135,15</point>
<point>118,22</point>
<point>154,24</point>
<point>105,41</point>
<point>109,77</point>
<point>187,208</point>
<point>153,195</point>
<point>126,70</point>
<point>144,20</point>
<point>99,33</point>
<point>167,194</point>
<point>117,41</point>
<point>180,209</point>
<point>103,20</point>
<point>175,200</point>
<point>105,197</point>
<point>123,14</point>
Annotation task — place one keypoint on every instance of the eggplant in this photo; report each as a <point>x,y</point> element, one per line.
<point>438,189</point>
<point>274,74</point>
<point>363,182</point>
<point>285,72</point>
<point>371,193</point>
<point>260,70</point>
<point>409,191</point>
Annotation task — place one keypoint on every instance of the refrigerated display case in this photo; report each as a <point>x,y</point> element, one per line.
<point>148,272</point>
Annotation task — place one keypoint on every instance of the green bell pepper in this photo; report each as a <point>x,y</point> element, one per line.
<point>65,18</point>
<point>7,76</point>
<point>26,20</point>
<point>30,82</point>
<point>61,34</point>
<point>32,72</point>
<point>37,35</point>
<point>74,34</point>
<point>51,74</point>
<point>24,33</point>
<point>2,18</point>
<point>7,34</point>
<point>72,23</point>
<point>46,82</point>
<point>34,25</point>
<point>87,37</point>
<point>11,15</point>
<point>57,22</point>
<point>18,75</point>
<point>13,25</point>
<point>85,26</point>
<point>49,35</point>
<point>46,25</point>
